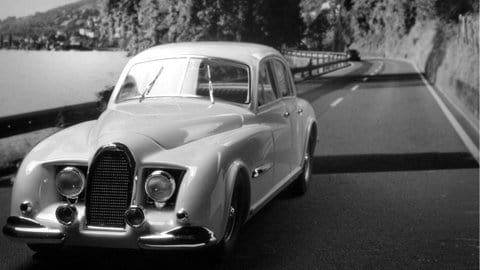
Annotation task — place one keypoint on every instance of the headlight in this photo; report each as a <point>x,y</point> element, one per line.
<point>70,182</point>
<point>160,186</point>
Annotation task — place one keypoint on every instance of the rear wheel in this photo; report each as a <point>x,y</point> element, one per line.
<point>300,185</point>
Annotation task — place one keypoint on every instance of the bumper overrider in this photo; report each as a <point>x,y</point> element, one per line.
<point>187,237</point>
<point>30,230</point>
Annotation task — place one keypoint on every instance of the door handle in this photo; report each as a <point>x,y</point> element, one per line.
<point>300,111</point>
<point>286,114</point>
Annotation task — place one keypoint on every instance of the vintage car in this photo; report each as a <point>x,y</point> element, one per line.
<point>196,139</point>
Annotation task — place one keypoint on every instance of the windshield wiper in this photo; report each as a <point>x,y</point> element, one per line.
<point>210,85</point>
<point>150,86</point>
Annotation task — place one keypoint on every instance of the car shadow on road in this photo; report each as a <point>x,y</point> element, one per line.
<point>266,241</point>
<point>385,77</point>
<point>393,162</point>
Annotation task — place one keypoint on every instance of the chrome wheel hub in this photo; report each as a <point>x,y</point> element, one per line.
<point>308,168</point>
<point>232,220</point>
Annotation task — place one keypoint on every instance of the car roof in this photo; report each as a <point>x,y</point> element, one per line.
<point>239,51</point>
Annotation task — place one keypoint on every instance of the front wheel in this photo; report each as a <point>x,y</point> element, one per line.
<point>45,249</point>
<point>224,249</point>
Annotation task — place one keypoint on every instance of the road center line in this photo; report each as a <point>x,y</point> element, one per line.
<point>336,102</point>
<point>354,88</point>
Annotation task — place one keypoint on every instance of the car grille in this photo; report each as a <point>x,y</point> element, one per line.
<point>109,189</point>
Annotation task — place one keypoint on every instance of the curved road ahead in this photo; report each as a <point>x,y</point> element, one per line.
<point>394,187</point>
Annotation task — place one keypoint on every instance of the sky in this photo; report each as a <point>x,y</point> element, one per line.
<point>20,8</point>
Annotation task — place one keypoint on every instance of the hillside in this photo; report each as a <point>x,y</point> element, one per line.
<point>440,37</point>
<point>73,25</point>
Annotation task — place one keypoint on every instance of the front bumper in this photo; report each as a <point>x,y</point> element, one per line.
<point>30,231</point>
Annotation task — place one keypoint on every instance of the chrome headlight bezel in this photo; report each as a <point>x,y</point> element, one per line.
<point>74,172</point>
<point>164,176</point>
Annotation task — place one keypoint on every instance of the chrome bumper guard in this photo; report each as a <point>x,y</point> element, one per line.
<point>179,238</point>
<point>30,230</point>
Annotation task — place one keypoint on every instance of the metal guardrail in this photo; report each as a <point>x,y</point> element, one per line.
<point>320,62</point>
<point>57,117</point>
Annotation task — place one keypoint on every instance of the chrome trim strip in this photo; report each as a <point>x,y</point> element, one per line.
<point>100,228</point>
<point>261,170</point>
<point>275,191</point>
<point>133,200</point>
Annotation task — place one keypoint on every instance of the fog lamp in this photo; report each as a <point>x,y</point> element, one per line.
<point>66,214</point>
<point>160,186</point>
<point>70,182</point>
<point>134,216</point>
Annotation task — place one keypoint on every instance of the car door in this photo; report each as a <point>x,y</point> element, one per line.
<point>271,110</point>
<point>284,83</point>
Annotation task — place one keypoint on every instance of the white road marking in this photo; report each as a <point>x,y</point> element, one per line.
<point>458,128</point>
<point>354,88</point>
<point>379,67</point>
<point>336,102</point>
<point>365,79</point>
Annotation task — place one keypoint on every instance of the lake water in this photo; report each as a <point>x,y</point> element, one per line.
<point>37,80</point>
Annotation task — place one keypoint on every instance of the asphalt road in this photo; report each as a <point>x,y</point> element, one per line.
<point>394,188</point>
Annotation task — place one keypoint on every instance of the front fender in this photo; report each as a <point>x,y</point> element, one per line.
<point>35,177</point>
<point>213,164</point>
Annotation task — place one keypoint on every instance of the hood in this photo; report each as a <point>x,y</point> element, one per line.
<point>170,122</point>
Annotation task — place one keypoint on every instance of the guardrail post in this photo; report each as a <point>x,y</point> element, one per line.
<point>310,67</point>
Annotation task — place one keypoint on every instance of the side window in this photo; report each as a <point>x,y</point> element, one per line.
<point>282,79</point>
<point>265,90</point>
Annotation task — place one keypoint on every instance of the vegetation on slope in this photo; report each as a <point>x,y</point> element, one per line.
<point>440,36</point>
<point>74,24</point>
<point>135,24</point>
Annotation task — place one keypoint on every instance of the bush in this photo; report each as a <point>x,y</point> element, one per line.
<point>104,96</point>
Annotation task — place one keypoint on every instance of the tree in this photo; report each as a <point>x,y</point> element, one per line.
<point>316,31</point>
<point>150,19</point>
<point>142,23</point>
<point>10,40</point>
<point>280,22</point>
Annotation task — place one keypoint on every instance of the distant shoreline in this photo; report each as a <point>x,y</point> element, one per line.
<point>38,80</point>
<point>67,50</point>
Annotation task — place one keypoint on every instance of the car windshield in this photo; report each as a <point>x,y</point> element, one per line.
<point>191,77</point>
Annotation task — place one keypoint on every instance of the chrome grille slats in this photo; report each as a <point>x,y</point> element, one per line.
<point>109,187</point>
